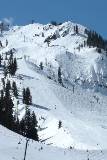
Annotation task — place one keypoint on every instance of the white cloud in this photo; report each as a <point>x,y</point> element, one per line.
<point>8,21</point>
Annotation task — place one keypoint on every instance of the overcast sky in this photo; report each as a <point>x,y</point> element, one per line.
<point>91,13</point>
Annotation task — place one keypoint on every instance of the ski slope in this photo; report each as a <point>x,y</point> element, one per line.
<point>80,105</point>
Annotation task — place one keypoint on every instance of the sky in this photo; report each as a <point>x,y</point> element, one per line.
<point>90,13</point>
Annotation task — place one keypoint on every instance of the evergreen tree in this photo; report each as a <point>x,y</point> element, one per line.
<point>15,65</point>
<point>95,40</point>
<point>27,123</point>
<point>34,122</point>
<point>0,60</point>
<point>27,98</point>
<point>3,82</point>
<point>30,124</point>
<point>15,90</point>
<point>76,29</point>
<point>59,125</point>
<point>11,54</point>
<point>1,106</point>
<point>59,75</point>
<point>6,56</point>
<point>6,42</point>
<point>24,95</point>
<point>12,66</point>
<point>8,85</point>
<point>5,71</point>
<point>22,127</point>
<point>41,65</point>
<point>8,105</point>
<point>1,44</point>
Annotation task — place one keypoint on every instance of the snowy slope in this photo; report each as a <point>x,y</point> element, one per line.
<point>83,112</point>
<point>12,148</point>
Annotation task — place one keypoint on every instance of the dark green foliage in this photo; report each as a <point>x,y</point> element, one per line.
<point>28,126</point>
<point>76,29</point>
<point>12,66</point>
<point>85,43</point>
<point>7,89</point>
<point>27,98</point>
<point>3,82</point>
<point>95,40</point>
<point>24,95</point>
<point>5,70</point>
<point>0,60</point>
<point>43,34</point>
<point>49,38</point>
<point>86,31</point>
<point>8,118</point>
<point>6,56</point>
<point>1,44</point>
<point>6,107</point>
<point>1,27</point>
<point>59,75</point>
<point>59,125</point>
<point>41,65</point>
<point>6,42</point>
<point>14,89</point>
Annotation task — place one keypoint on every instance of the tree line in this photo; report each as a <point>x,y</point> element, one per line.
<point>9,118</point>
<point>96,40</point>
<point>28,125</point>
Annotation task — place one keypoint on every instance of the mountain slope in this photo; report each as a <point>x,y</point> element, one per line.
<point>80,104</point>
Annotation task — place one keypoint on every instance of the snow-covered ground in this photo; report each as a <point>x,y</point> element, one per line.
<point>81,105</point>
<point>12,147</point>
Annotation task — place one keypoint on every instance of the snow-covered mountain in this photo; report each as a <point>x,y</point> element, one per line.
<point>80,104</point>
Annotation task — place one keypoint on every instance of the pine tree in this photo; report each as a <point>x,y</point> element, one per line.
<point>1,106</point>
<point>34,122</point>
<point>28,126</point>
<point>22,127</point>
<point>14,89</point>
<point>12,65</point>
<point>41,65</point>
<point>24,95</point>
<point>59,125</point>
<point>1,44</point>
<point>27,98</point>
<point>6,56</point>
<point>5,71</point>
<point>8,86</point>
<point>95,40</point>
<point>8,108</point>
<point>27,123</point>
<point>0,60</point>
<point>59,75</point>
<point>76,29</point>
<point>6,42</point>
<point>3,82</point>
<point>15,65</point>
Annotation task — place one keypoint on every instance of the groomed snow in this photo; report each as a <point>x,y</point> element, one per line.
<point>83,113</point>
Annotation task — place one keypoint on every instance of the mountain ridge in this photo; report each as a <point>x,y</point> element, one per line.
<point>80,102</point>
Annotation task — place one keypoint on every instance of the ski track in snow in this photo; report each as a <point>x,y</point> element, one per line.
<point>83,113</point>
